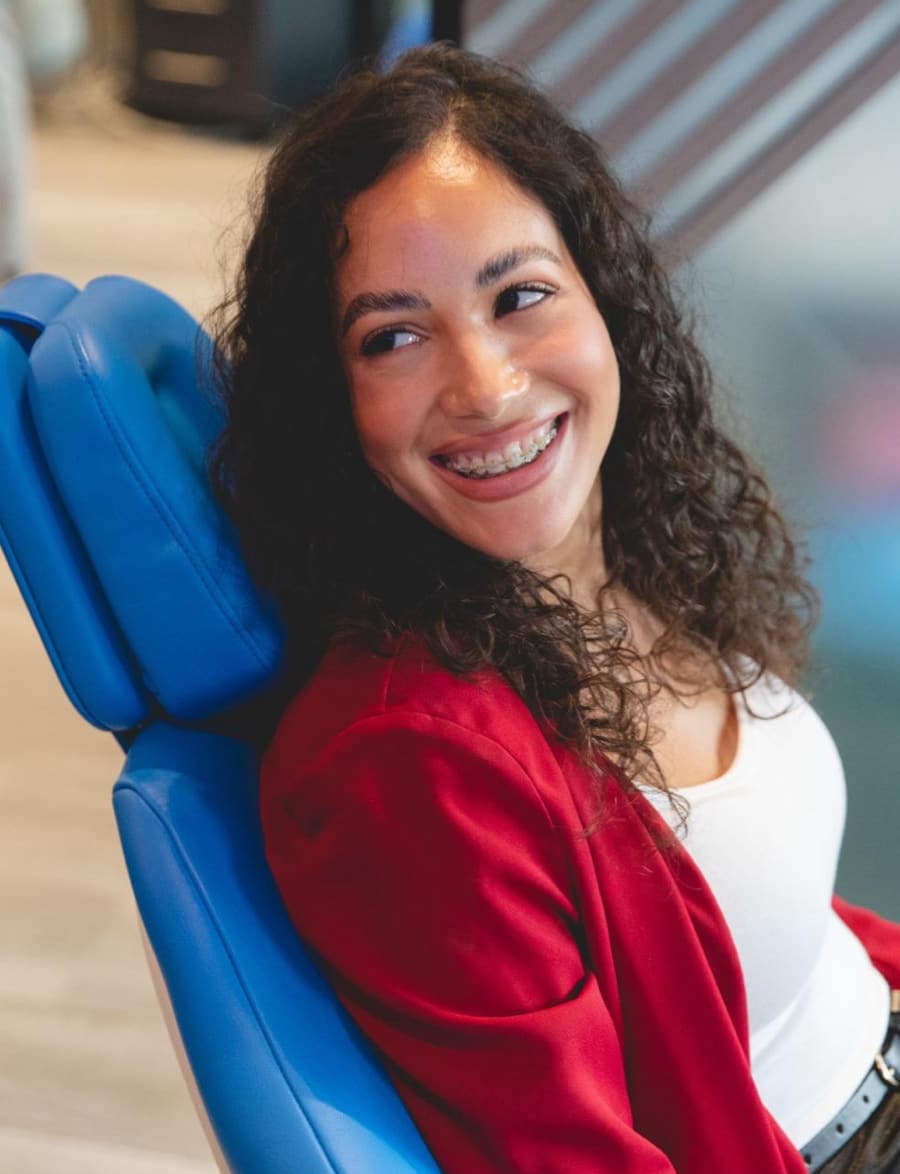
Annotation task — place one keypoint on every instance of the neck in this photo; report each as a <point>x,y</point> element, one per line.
<point>579,558</point>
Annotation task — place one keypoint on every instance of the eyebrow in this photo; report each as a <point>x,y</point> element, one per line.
<point>394,299</point>
<point>490,273</point>
<point>497,268</point>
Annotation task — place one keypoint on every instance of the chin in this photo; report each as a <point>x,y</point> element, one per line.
<point>512,548</point>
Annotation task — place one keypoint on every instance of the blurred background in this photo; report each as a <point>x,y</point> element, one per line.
<point>764,138</point>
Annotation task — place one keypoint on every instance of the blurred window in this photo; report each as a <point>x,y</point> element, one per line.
<point>800,312</point>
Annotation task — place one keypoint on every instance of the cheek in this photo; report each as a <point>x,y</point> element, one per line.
<point>374,450</point>
<point>384,424</point>
<point>370,438</point>
<point>582,358</point>
<point>365,417</point>
<point>606,371</point>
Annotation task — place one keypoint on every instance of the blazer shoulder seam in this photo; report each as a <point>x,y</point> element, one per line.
<point>401,717</point>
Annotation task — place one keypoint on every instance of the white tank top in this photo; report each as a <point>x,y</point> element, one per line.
<point>766,835</point>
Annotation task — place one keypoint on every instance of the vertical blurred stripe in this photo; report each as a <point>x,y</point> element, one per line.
<point>14,134</point>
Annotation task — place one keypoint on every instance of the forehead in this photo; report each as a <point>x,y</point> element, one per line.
<point>444,207</point>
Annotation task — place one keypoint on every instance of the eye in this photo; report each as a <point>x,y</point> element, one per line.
<point>520,297</point>
<point>382,341</point>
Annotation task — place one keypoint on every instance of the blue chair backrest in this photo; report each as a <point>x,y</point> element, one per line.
<point>135,582</point>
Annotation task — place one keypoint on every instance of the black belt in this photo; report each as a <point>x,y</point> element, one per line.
<point>882,1080</point>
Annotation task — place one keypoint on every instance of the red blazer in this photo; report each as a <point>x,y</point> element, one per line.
<point>545,1002</point>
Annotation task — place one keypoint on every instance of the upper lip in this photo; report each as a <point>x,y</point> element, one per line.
<point>492,441</point>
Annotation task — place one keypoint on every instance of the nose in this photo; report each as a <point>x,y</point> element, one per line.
<point>481,380</point>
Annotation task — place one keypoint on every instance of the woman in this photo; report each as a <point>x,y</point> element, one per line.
<point>546,804</point>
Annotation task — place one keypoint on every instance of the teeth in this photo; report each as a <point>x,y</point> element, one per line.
<point>513,456</point>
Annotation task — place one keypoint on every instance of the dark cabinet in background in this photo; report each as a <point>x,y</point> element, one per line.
<point>245,62</point>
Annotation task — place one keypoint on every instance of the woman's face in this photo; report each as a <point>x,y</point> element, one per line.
<point>482,378</point>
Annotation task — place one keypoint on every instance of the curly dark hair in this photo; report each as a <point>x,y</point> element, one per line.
<point>689,527</point>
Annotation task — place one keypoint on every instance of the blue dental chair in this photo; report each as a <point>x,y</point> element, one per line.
<point>133,578</point>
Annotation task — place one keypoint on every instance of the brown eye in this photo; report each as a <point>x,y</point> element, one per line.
<point>383,341</point>
<point>520,297</point>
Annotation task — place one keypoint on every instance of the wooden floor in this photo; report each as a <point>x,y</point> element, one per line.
<point>88,1081</point>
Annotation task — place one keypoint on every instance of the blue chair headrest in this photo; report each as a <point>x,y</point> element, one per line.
<point>120,410</point>
<point>33,300</point>
<point>87,650</point>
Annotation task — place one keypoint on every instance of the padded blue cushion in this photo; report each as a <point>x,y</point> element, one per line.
<point>134,579</point>
<point>117,408</point>
<point>288,1084</point>
<point>34,299</point>
<point>43,550</point>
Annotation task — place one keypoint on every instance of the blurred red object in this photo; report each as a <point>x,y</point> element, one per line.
<point>859,452</point>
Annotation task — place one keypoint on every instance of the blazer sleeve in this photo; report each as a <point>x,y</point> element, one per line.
<point>417,858</point>
<point>880,937</point>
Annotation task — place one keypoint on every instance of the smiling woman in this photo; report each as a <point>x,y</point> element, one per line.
<point>488,406</point>
<point>542,612</point>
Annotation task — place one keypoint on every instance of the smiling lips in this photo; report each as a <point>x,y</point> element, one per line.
<point>495,462</point>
